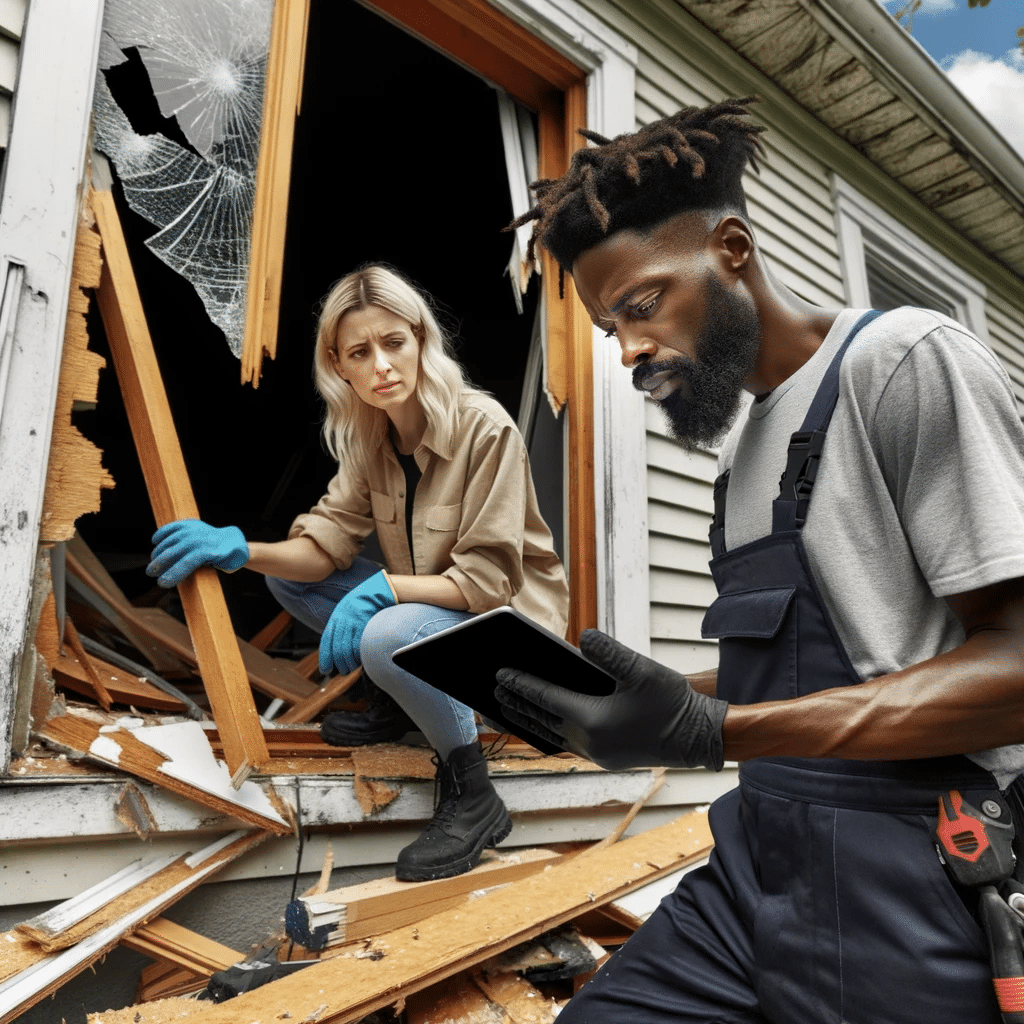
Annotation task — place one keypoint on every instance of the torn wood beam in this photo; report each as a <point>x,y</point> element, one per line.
<point>521,1002</point>
<point>55,929</point>
<point>72,672</point>
<point>282,96</point>
<point>272,631</point>
<point>170,943</point>
<point>75,475</point>
<point>344,989</point>
<point>458,998</point>
<point>272,676</point>
<point>100,690</point>
<point>96,586</point>
<point>29,974</point>
<point>383,904</point>
<point>153,628</point>
<point>161,980</point>
<point>170,493</point>
<point>307,708</point>
<point>177,757</point>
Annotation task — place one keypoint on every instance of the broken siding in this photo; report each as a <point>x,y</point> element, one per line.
<point>12,21</point>
<point>791,207</point>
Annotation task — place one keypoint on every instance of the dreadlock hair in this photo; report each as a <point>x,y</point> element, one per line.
<point>692,160</point>
<point>353,431</point>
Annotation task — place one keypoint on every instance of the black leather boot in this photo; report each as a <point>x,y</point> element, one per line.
<point>381,722</point>
<point>468,817</point>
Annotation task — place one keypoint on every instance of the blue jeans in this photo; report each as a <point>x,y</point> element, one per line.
<point>445,722</point>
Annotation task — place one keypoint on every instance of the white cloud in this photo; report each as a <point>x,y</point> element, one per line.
<point>927,6</point>
<point>995,85</point>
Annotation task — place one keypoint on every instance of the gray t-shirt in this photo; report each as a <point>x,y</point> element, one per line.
<point>919,494</point>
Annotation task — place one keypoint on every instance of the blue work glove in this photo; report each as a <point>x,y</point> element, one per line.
<point>653,718</point>
<point>187,544</point>
<point>339,644</point>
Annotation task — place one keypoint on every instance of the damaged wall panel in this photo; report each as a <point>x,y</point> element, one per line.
<point>75,474</point>
<point>39,212</point>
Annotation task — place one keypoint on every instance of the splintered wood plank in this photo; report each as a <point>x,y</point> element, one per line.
<point>153,630</point>
<point>61,926</point>
<point>71,672</point>
<point>521,1001</point>
<point>272,631</point>
<point>383,904</point>
<point>189,768</point>
<point>295,743</point>
<point>454,999</point>
<point>282,94</point>
<point>29,974</point>
<point>306,709</point>
<point>170,493</point>
<point>164,940</point>
<point>160,980</point>
<point>75,475</point>
<point>272,676</point>
<point>345,988</point>
<point>85,569</point>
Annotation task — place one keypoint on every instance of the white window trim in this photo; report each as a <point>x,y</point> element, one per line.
<point>864,227</point>
<point>39,212</point>
<point>620,438</point>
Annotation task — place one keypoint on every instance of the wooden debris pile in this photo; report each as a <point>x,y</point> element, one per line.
<point>506,953</point>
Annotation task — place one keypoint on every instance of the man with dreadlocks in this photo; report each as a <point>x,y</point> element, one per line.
<point>871,631</point>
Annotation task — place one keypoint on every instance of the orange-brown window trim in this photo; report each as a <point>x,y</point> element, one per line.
<point>502,51</point>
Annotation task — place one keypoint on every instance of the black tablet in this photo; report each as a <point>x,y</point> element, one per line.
<point>462,661</point>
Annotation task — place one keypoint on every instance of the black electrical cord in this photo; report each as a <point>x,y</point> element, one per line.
<point>298,856</point>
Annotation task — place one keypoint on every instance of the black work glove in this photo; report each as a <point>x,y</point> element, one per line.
<point>654,717</point>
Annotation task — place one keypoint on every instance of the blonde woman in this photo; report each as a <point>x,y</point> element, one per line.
<point>440,471</point>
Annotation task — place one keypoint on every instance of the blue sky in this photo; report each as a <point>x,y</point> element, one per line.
<point>977,48</point>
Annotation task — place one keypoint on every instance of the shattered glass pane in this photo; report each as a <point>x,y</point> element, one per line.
<point>207,62</point>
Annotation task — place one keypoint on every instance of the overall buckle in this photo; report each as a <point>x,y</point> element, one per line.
<point>805,447</point>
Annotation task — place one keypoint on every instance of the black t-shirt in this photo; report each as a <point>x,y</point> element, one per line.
<point>412,478</point>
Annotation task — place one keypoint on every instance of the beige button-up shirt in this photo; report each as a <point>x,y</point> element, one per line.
<point>475,518</point>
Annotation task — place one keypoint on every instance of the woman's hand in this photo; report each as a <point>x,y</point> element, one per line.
<point>339,644</point>
<point>188,544</point>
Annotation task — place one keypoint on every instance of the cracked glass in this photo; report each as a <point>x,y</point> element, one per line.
<point>207,62</point>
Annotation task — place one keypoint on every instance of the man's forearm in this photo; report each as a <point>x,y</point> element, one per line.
<point>968,699</point>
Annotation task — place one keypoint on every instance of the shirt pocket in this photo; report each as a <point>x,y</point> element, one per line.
<point>444,518</point>
<point>383,507</point>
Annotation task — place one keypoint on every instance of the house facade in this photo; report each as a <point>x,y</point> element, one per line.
<point>881,186</point>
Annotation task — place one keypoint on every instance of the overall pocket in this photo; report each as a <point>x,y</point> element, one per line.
<point>756,632</point>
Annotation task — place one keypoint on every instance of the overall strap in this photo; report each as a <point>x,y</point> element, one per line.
<point>789,510</point>
<point>717,532</point>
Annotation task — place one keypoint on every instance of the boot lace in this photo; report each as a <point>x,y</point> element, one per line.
<point>446,791</point>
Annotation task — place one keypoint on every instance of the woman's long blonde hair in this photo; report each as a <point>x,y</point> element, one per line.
<point>353,430</point>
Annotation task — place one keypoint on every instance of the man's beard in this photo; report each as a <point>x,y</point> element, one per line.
<point>703,404</point>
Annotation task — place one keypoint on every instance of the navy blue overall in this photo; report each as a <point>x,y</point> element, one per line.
<point>824,901</point>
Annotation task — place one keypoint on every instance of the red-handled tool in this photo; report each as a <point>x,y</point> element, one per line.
<point>975,844</point>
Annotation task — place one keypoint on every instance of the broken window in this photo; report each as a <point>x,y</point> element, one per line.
<point>206,61</point>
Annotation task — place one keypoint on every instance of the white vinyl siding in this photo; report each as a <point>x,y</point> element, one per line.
<point>1006,335</point>
<point>12,21</point>
<point>792,211</point>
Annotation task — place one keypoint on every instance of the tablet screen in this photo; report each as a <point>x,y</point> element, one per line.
<point>462,661</point>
